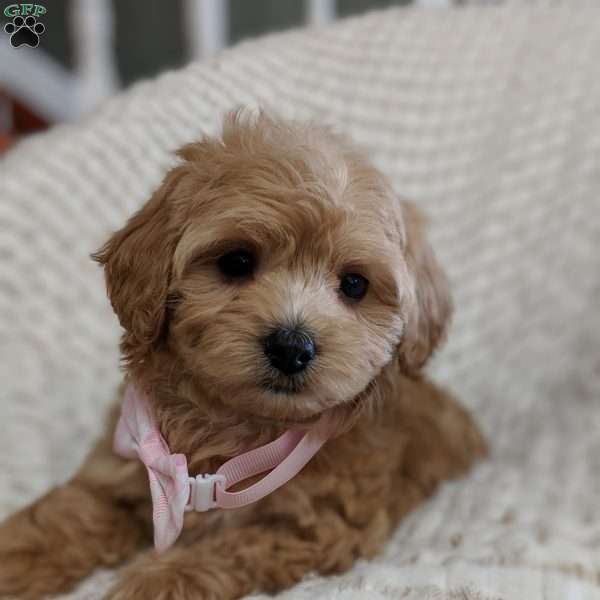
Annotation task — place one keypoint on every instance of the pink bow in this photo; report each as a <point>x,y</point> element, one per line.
<point>173,491</point>
<point>136,436</point>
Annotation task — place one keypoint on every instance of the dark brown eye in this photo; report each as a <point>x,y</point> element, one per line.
<point>237,264</point>
<point>354,286</point>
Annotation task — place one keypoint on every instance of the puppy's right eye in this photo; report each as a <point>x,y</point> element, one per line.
<point>237,264</point>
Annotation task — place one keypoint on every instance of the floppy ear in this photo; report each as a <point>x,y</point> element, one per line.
<point>430,307</point>
<point>137,267</point>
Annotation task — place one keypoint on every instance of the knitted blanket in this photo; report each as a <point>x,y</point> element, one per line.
<point>489,118</point>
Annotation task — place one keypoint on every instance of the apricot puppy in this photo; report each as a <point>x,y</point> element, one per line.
<point>273,278</point>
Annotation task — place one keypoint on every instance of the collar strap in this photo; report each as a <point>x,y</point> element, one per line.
<point>284,458</point>
<point>174,491</point>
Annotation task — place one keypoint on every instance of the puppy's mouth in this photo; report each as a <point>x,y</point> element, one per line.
<point>294,386</point>
<point>289,386</point>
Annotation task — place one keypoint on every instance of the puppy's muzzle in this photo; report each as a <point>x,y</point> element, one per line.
<point>289,350</point>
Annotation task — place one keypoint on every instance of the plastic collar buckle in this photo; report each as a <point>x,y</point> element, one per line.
<point>203,493</point>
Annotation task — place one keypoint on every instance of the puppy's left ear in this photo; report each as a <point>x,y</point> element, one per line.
<point>137,267</point>
<point>430,306</point>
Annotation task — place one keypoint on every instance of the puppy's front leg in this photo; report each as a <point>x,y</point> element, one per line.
<point>90,521</point>
<point>268,556</point>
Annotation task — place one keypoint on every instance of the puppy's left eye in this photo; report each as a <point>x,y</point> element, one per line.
<point>237,264</point>
<point>354,286</point>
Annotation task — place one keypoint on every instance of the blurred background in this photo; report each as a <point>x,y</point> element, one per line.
<point>90,49</point>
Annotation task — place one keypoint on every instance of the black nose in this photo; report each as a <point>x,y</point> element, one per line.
<point>289,350</point>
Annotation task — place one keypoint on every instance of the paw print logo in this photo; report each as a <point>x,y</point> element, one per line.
<point>24,31</point>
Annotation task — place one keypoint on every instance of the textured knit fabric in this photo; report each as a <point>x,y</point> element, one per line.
<point>488,118</point>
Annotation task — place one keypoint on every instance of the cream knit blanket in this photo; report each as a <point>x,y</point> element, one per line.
<point>490,119</point>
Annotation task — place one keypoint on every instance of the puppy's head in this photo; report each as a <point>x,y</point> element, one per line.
<point>276,266</point>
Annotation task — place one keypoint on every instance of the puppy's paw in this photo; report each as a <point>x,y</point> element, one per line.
<point>167,582</point>
<point>49,546</point>
<point>27,570</point>
<point>149,585</point>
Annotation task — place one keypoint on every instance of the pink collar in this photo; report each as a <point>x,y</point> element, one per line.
<point>173,490</point>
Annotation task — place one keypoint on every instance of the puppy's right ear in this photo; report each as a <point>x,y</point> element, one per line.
<point>430,311</point>
<point>137,267</point>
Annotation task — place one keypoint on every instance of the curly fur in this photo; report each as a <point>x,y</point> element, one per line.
<point>310,207</point>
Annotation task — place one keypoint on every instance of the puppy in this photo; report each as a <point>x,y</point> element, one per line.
<point>272,281</point>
